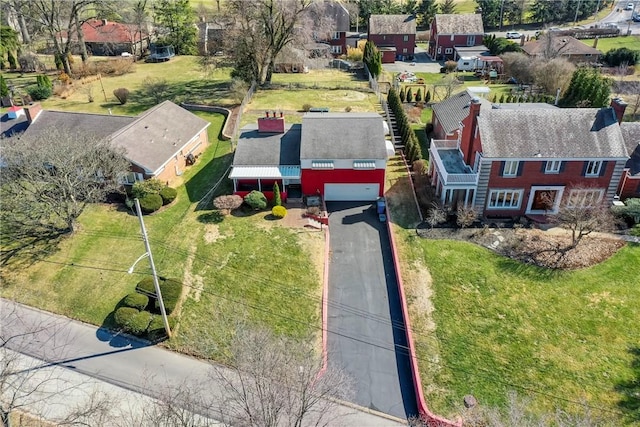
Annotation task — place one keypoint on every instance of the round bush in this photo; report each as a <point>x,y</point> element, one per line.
<point>256,200</point>
<point>124,316</point>
<point>279,211</point>
<point>136,300</point>
<point>150,203</point>
<point>168,195</point>
<point>149,186</point>
<point>156,331</point>
<point>39,92</point>
<point>139,323</point>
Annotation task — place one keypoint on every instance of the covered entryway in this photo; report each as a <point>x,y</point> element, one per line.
<point>351,192</point>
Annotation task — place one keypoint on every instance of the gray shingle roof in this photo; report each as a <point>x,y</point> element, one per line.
<point>392,24</point>
<point>342,136</point>
<point>158,134</point>
<point>631,135</point>
<point>563,45</point>
<point>562,133</point>
<point>451,111</point>
<point>268,149</point>
<point>99,125</point>
<point>468,23</point>
<point>332,11</point>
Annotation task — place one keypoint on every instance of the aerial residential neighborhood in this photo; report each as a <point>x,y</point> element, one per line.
<point>319,212</point>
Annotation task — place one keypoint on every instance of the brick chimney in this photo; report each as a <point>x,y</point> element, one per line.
<point>618,106</point>
<point>469,129</point>
<point>271,123</point>
<point>32,112</point>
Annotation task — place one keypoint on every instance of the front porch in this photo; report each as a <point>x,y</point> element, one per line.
<point>454,181</point>
<point>262,178</point>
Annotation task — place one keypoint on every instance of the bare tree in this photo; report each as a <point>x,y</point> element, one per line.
<point>582,213</point>
<point>552,74</point>
<point>276,381</point>
<point>262,28</point>
<point>48,179</point>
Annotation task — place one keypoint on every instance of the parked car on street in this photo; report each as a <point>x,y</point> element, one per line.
<point>629,6</point>
<point>513,35</point>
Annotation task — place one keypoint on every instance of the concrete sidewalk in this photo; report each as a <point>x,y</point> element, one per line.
<point>117,364</point>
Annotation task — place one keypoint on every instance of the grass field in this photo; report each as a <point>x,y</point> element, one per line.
<point>486,325</point>
<point>606,44</point>
<point>244,267</point>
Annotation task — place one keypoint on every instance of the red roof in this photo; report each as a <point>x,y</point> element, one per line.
<point>103,31</point>
<point>14,108</point>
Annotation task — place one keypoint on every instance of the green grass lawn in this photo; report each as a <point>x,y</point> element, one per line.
<point>499,325</point>
<point>605,44</point>
<point>244,267</point>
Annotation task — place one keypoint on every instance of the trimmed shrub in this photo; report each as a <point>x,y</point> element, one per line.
<point>150,203</point>
<point>306,107</point>
<point>136,300</point>
<point>39,92</point>
<point>155,330</point>
<point>124,317</point>
<point>171,290</point>
<point>139,323</point>
<point>227,203</point>
<point>279,211</point>
<point>409,95</point>
<point>256,200</point>
<point>122,95</point>
<point>277,199</point>
<point>149,186</point>
<point>168,195</point>
<point>4,89</point>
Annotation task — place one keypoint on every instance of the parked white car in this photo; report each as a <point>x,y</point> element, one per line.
<point>629,6</point>
<point>513,35</point>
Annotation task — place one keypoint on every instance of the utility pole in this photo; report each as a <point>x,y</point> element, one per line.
<point>575,19</point>
<point>501,10</point>
<point>156,284</point>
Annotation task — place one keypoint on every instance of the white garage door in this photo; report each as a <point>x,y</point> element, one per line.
<point>351,192</point>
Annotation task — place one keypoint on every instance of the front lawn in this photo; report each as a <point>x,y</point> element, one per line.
<point>486,325</point>
<point>243,267</point>
<point>605,44</point>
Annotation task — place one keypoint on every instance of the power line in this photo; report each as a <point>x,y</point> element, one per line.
<point>397,348</point>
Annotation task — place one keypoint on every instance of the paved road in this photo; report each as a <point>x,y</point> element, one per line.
<point>363,305</point>
<point>121,361</point>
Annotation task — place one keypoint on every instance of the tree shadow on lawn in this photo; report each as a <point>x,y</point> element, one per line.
<point>208,175</point>
<point>630,389</point>
<point>26,247</point>
<point>193,91</point>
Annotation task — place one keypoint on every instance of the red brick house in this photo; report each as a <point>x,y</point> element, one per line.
<point>630,182</point>
<point>510,162</point>
<point>451,30</point>
<point>394,35</point>
<point>158,143</point>
<point>340,156</point>
<point>330,22</point>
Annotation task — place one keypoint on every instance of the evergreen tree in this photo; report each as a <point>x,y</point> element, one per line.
<point>419,95</point>
<point>448,7</point>
<point>427,96</point>
<point>178,17</point>
<point>277,200</point>
<point>4,89</point>
<point>409,95</point>
<point>587,88</point>
<point>402,95</point>
<point>502,98</point>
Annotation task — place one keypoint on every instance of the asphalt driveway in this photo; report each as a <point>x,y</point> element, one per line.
<point>366,330</point>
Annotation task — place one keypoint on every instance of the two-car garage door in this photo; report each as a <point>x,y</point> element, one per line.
<point>351,192</point>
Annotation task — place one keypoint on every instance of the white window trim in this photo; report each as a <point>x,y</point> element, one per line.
<point>511,192</point>
<point>553,166</point>
<point>135,175</point>
<point>336,49</point>
<point>405,38</point>
<point>448,50</point>
<point>594,173</point>
<point>439,50</point>
<point>404,50</point>
<point>556,205</point>
<point>594,195</point>
<point>510,168</point>
<point>322,164</point>
<point>336,35</point>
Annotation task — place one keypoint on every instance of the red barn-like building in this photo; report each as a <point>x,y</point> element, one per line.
<point>449,31</point>
<point>394,35</point>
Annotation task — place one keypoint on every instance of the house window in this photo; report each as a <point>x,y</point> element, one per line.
<point>336,35</point>
<point>336,49</point>
<point>452,37</point>
<point>593,168</point>
<point>505,199</point>
<point>322,164</point>
<point>448,51</point>
<point>405,38</point>
<point>581,198</point>
<point>384,37</point>
<point>471,40</point>
<point>587,55</point>
<point>404,50</point>
<point>510,168</point>
<point>544,200</point>
<point>439,50</point>
<point>553,166</point>
<point>364,164</point>
<point>131,178</point>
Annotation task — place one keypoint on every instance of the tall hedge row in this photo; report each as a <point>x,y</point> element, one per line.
<point>412,150</point>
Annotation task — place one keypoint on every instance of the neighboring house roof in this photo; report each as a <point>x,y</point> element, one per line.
<point>557,133</point>
<point>98,125</point>
<point>342,136</point>
<point>631,135</point>
<point>331,12</point>
<point>392,24</point>
<point>268,149</point>
<point>524,106</point>
<point>103,31</point>
<point>560,45</point>
<point>454,109</point>
<point>10,127</point>
<point>158,134</point>
<point>468,23</point>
